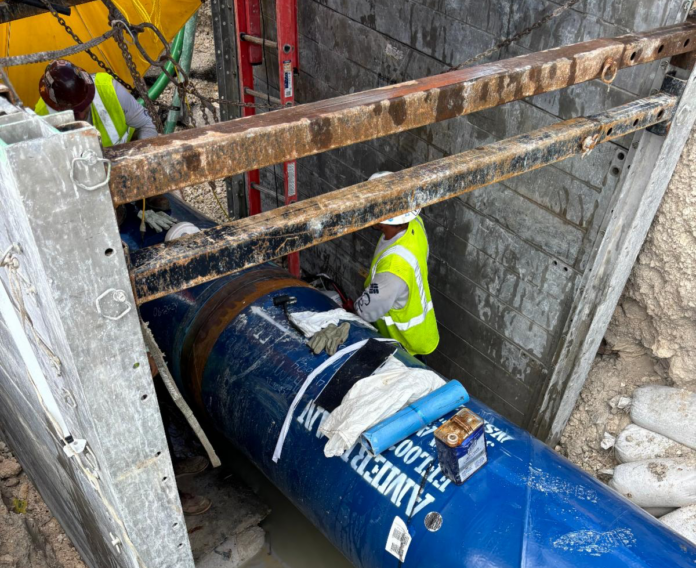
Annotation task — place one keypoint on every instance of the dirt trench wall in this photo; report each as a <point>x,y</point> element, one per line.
<point>657,313</point>
<point>652,336</point>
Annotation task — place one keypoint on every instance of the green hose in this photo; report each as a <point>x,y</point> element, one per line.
<point>162,81</point>
<point>185,62</point>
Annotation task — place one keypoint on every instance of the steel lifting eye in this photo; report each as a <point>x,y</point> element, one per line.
<point>609,70</point>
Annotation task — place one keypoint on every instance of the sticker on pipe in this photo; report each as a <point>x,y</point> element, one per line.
<point>399,540</point>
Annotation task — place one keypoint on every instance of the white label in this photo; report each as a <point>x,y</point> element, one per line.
<point>291,179</point>
<point>399,540</point>
<point>287,79</point>
<point>475,449</point>
<point>472,460</point>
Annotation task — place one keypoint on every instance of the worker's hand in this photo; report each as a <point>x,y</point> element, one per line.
<point>329,338</point>
<point>157,220</point>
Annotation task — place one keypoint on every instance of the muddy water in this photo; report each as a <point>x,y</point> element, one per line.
<point>291,540</point>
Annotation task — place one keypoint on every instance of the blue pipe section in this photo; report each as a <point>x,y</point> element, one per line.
<point>415,416</point>
<point>527,507</point>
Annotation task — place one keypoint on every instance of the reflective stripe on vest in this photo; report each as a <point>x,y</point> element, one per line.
<point>107,114</point>
<point>106,121</point>
<point>426,306</point>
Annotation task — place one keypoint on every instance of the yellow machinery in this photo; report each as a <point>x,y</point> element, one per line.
<point>44,33</point>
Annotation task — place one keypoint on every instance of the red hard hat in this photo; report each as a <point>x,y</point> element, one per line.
<point>65,86</point>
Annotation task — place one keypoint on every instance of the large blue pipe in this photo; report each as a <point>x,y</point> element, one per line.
<point>237,359</point>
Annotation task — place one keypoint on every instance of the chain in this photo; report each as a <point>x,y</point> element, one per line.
<point>40,56</point>
<point>526,31</point>
<point>75,37</point>
<point>118,22</point>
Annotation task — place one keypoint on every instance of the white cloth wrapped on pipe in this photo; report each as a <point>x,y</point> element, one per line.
<point>372,399</point>
<point>312,322</point>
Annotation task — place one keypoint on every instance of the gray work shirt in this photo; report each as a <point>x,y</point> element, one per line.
<point>136,115</point>
<point>386,291</point>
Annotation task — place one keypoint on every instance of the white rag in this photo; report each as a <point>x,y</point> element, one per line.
<point>372,399</point>
<point>312,322</point>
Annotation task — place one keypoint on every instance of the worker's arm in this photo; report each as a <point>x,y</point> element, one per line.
<point>386,291</point>
<point>136,115</point>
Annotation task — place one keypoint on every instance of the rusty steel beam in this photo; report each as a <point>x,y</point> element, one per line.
<point>178,160</point>
<point>163,269</point>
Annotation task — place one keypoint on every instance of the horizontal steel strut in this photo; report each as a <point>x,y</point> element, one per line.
<point>163,269</point>
<point>213,152</point>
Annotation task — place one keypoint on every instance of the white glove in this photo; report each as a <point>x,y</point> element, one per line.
<point>157,220</point>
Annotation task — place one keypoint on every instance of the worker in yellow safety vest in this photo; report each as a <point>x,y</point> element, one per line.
<point>397,294</point>
<point>99,100</point>
<point>107,105</point>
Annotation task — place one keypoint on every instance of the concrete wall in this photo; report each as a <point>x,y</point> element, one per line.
<point>505,260</point>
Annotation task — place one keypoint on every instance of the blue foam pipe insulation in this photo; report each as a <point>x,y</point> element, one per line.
<point>415,416</point>
<point>241,365</point>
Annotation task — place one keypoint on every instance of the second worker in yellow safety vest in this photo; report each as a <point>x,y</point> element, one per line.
<point>397,294</point>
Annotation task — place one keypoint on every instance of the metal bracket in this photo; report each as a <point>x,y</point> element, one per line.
<point>113,300</point>
<point>73,447</point>
<point>672,86</point>
<point>116,542</point>
<point>91,159</point>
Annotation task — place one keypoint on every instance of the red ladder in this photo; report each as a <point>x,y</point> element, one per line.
<point>250,45</point>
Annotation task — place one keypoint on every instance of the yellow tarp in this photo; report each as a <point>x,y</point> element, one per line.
<point>43,33</point>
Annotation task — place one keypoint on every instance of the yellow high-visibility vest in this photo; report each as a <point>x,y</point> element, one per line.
<point>414,325</point>
<point>107,115</point>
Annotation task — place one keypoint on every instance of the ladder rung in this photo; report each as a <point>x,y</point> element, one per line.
<point>267,191</point>
<point>258,40</point>
<point>264,96</point>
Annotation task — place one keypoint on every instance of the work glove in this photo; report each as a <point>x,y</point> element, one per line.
<point>329,338</point>
<point>157,220</point>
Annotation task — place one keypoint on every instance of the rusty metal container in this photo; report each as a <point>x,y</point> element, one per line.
<point>461,446</point>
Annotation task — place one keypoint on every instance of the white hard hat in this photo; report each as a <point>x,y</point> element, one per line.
<point>399,219</point>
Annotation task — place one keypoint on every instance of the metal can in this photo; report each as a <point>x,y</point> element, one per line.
<point>461,446</point>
